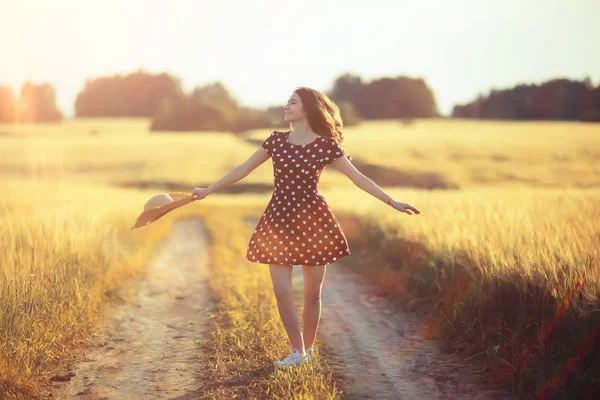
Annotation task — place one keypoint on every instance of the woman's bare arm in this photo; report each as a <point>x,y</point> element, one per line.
<point>236,174</point>
<point>344,165</point>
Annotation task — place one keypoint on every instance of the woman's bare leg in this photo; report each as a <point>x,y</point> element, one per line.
<point>281,275</point>
<point>313,284</point>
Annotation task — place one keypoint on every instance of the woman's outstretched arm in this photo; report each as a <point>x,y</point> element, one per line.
<point>344,165</point>
<point>236,174</point>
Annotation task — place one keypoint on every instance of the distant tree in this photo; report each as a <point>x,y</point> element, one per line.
<point>400,97</point>
<point>217,97</point>
<point>139,94</point>
<point>347,88</point>
<point>185,115</point>
<point>249,118</point>
<point>37,103</point>
<point>348,113</point>
<point>275,114</point>
<point>557,99</point>
<point>7,104</point>
<point>462,111</point>
<point>591,108</point>
<point>170,114</point>
<point>209,107</point>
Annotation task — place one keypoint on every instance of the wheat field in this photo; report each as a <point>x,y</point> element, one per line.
<point>521,218</point>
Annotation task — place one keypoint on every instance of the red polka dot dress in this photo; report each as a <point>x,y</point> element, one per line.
<point>298,227</point>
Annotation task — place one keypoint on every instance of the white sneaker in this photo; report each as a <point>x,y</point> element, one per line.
<point>293,359</point>
<point>310,353</point>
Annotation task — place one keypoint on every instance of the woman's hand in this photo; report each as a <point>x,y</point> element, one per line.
<point>404,207</point>
<point>200,193</point>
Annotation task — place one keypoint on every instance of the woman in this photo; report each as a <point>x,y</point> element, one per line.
<point>298,227</point>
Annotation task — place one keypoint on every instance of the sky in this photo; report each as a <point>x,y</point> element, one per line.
<point>261,50</point>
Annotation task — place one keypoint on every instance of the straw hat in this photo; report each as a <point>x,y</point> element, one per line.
<point>160,205</point>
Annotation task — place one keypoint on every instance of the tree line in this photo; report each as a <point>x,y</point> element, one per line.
<point>557,99</point>
<point>211,107</point>
<point>35,103</point>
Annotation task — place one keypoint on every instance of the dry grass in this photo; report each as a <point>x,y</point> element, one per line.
<point>464,153</point>
<point>448,153</point>
<point>80,128</point>
<point>66,251</point>
<point>186,159</point>
<point>63,250</point>
<point>247,334</point>
<point>507,267</point>
<point>510,276</point>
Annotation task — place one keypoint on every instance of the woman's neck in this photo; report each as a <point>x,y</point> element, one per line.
<point>301,129</point>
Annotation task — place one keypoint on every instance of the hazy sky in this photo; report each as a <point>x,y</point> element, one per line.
<point>262,50</point>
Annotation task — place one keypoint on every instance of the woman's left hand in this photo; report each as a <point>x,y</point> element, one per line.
<point>404,207</point>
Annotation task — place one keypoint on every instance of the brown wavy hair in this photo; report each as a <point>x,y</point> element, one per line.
<point>322,114</point>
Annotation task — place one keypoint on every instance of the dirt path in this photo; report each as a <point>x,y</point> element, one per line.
<point>149,349</point>
<point>382,350</point>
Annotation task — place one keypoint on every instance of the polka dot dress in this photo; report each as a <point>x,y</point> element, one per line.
<point>298,227</point>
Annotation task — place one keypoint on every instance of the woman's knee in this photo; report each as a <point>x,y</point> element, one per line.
<point>282,294</point>
<point>281,276</point>
<point>312,296</point>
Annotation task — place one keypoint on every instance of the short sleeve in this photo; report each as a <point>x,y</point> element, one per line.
<point>269,143</point>
<point>334,151</point>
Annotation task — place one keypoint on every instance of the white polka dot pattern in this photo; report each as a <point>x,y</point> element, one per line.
<point>298,227</point>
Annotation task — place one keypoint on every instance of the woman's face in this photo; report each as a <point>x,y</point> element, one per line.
<point>293,110</point>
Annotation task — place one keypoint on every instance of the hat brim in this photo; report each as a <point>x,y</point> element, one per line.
<point>149,216</point>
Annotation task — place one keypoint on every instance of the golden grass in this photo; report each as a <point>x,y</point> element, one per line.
<point>63,250</point>
<point>66,251</point>
<point>187,159</point>
<point>456,153</point>
<point>499,228</point>
<point>247,334</point>
<point>467,153</point>
<point>511,275</point>
<point>508,267</point>
<point>80,128</point>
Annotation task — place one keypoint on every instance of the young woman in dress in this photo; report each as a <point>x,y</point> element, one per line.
<point>298,227</point>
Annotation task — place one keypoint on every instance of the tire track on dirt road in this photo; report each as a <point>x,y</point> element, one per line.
<point>384,350</point>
